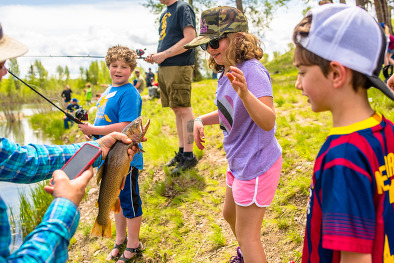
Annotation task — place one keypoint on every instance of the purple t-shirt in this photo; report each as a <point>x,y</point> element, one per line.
<point>250,151</point>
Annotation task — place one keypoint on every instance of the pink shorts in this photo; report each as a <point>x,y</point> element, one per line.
<point>260,190</point>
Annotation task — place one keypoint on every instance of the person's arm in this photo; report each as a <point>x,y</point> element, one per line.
<point>352,257</point>
<point>261,110</point>
<point>198,130</point>
<point>89,129</point>
<point>137,86</point>
<point>189,34</point>
<point>390,82</point>
<point>35,162</point>
<point>50,239</point>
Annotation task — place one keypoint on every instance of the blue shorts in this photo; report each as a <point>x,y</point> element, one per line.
<point>130,199</point>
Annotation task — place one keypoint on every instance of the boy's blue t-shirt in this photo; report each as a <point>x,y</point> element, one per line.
<point>120,104</point>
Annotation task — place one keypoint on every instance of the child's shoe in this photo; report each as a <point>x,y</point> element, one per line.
<point>238,258</point>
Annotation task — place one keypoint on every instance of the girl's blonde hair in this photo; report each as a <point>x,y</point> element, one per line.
<point>121,53</point>
<point>242,46</point>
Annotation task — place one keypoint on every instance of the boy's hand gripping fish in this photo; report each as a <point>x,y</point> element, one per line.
<point>112,174</point>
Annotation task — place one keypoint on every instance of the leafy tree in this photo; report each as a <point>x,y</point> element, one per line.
<point>104,77</point>
<point>60,72</point>
<point>14,67</point>
<point>42,73</point>
<point>31,75</point>
<point>67,73</point>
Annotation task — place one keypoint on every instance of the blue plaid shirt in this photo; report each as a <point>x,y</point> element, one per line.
<point>48,242</point>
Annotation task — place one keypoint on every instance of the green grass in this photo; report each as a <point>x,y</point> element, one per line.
<point>182,220</point>
<point>32,208</point>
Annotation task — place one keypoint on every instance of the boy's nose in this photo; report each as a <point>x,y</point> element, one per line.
<point>298,84</point>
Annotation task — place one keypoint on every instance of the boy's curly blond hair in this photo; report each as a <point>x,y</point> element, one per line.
<point>121,53</point>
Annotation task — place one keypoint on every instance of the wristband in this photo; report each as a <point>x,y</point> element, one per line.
<point>199,119</point>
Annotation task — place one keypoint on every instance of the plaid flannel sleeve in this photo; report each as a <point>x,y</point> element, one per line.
<point>49,241</point>
<point>29,164</point>
<point>34,162</point>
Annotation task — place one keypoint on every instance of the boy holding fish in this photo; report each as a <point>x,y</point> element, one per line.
<point>119,105</point>
<point>34,162</point>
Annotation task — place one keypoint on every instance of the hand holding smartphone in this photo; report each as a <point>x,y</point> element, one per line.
<point>81,160</point>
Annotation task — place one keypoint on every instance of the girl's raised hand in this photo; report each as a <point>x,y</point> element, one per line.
<point>198,133</point>
<point>238,81</point>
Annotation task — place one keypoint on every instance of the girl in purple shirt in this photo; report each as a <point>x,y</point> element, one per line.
<point>247,117</point>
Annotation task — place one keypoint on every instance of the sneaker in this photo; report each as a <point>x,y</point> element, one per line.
<point>185,164</point>
<point>238,258</point>
<point>178,157</point>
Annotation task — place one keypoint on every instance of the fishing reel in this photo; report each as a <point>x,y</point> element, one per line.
<point>81,114</point>
<point>140,52</point>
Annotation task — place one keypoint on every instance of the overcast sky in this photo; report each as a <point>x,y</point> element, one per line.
<point>90,27</point>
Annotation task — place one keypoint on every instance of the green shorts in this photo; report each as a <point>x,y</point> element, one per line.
<point>175,84</point>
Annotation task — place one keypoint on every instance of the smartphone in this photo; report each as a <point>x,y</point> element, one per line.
<point>81,160</point>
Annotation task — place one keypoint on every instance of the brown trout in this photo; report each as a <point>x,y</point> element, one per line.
<point>112,173</point>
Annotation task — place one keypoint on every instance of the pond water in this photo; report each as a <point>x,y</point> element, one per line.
<point>22,133</point>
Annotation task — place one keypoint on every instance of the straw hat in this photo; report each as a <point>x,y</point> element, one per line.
<point>9,47</point>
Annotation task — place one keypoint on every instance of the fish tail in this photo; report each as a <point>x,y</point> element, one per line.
<point>116,207</point>
<point>102,230</point>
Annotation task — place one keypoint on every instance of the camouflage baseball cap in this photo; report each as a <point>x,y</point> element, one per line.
<point>218,21</point>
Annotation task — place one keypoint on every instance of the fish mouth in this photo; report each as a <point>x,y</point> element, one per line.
<point>135,130</point>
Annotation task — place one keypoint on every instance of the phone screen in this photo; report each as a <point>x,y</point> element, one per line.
<point>81,160</point>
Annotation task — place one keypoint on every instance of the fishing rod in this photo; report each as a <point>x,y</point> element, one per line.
<point>65,56</point>
<point>66,113</point>
<point>139,52</point>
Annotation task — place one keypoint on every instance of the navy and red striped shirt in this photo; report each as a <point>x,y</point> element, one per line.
<point>351,195</point>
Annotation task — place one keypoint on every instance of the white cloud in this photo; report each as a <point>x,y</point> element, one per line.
<point>90,29</point>
<point>78,30</point>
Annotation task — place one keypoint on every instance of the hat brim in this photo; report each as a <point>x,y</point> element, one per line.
<point>201,40</point>
<point>11,48</point>
<point>379,84</point>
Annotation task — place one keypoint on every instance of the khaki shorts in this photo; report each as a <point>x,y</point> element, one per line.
<point>175,84</point>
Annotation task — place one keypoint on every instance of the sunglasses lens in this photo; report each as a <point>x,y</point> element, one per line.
<point>214,43</point>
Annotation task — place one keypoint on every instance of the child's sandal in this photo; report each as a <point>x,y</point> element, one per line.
<point>137,250</point>
<point>120,248</point>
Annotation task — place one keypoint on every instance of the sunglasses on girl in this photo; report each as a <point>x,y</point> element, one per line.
<point>214,43</point>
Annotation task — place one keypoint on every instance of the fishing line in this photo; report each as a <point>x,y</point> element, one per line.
<point>65,56</point>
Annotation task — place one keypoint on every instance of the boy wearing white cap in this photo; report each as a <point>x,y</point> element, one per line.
<point>339,54</point>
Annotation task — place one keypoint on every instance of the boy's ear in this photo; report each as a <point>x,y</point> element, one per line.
<point>339,74</point>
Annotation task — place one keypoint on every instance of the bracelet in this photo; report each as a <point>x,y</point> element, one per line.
<point>199,119</point>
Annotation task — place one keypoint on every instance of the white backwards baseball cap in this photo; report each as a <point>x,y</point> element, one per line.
<point>9,47</point>
<point>350,36</point>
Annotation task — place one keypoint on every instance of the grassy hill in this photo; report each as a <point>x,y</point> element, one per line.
<point>182,220</point>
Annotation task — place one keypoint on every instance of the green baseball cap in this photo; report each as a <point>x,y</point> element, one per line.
<point>218,21</point>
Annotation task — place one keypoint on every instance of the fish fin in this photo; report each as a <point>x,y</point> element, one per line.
<point>97,204</point>
<point>99,174</point>
<point>102,230</point>
<point>116,207</point>
<point>123,183</point>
